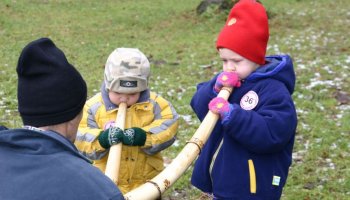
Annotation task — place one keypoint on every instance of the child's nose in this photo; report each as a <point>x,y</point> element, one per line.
<point>231,67</point>
<point>123,98</point>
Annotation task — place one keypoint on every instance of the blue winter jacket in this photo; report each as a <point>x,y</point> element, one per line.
<point>248,155</point>
<point>38,165</point>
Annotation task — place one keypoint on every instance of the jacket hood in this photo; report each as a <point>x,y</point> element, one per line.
<point>279,67</point>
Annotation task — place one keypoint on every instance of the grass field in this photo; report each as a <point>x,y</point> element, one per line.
<point>180,45</point>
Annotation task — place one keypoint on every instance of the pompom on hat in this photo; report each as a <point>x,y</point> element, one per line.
<point>50,90</point>
<point>246,31</point>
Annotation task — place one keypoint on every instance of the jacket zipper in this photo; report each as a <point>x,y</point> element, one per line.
<point>214,158</point>
<point>252,176</point>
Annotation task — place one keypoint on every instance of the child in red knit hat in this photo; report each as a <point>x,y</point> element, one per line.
<point>249,151</point>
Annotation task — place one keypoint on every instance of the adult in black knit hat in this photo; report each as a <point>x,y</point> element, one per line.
<point>50,90</point>
<point>40,159</point>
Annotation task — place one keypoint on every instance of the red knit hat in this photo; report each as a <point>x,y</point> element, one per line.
<point>246,31</point>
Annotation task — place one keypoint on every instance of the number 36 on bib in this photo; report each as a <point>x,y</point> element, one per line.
<point>249,100</point>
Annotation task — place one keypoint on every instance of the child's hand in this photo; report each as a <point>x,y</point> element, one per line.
<point>114,135</point>
<point>227,79</point>
<point>220,106</point>
<point>110,136</point>
<point>134,137</point>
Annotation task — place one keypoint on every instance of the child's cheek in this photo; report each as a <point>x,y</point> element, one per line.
<point>114,100</point>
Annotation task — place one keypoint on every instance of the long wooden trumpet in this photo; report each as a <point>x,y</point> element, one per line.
<point>114,156</point>
<point>154,188</point>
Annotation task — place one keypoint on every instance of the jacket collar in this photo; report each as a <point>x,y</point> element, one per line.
<point>39,141</point>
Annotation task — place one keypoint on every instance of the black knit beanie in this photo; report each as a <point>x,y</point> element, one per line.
<point>50,90</point>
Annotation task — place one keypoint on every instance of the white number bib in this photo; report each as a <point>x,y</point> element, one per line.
<point>249,100</point>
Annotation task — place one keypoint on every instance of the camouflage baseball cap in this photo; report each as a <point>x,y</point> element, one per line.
<point>127,71</point>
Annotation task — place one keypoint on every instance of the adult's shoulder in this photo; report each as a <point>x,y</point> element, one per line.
<point>92,181</point>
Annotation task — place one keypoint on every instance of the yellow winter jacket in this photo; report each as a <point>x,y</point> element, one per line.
<point>152,113</point>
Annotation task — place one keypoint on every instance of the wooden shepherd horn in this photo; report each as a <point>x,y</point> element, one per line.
<point>154,188</point>
<point>113,162</point>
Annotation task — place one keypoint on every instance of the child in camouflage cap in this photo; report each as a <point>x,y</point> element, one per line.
<point>150,126</point>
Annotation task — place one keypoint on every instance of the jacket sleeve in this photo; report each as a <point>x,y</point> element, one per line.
<point>162,131</point>
<point>269,127</point>
<point>88,132</point>
<point>200,100</point>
